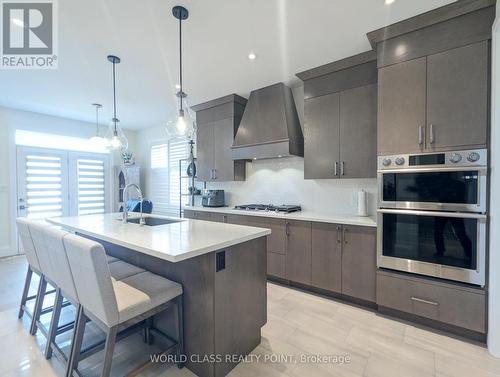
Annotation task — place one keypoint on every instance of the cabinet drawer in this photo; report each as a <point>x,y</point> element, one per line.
<point>276,265</point>
<point>459,306</point>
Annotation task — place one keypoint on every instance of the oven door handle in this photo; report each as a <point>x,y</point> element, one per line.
<point>461,215</point>
<point>434,169</point>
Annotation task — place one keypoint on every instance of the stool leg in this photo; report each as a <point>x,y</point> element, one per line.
<point>54,323</point>
<point>108,351</point>
<point>180,330</point>
<point>76,341</point>
<point>148,337</point>
<point>26,290</point>
<point>40,296</point>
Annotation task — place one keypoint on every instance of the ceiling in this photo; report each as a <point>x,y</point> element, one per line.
<point>288,36</point>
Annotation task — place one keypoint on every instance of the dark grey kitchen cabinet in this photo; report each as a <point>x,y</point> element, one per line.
<point>326,264</point>
<point>197,215</point>
<point>205,152</point>
<point>358,132</point>
<point>217,123</point>
<point>219,217</point>
<point>276,265</point>
<point>298,251</point>
<point>340,111</point>
<point>437,102</point>
<point>359,262</point>
<point>321,136</point>
<point>340,133</point>
<point>457,97</point>
<point>453,304</point>
<point>401,107</point>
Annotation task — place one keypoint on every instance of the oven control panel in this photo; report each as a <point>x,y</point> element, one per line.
<point>466,158</point>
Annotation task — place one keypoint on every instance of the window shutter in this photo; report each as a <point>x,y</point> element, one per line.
<point>44,185</point>
<point>165,176</point>
<point>91,186</point>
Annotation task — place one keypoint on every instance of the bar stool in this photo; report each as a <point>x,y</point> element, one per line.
<point>65,287</point>
<point>36,230</point>
<point>33,267</point>
<point>113,305</point>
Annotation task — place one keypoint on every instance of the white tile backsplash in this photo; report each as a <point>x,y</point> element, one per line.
<point>281,181</point>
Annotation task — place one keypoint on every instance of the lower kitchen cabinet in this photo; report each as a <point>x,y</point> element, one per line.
<point>448,303</point>
<point>326,264</point>
<point>298,251</point>
<point>219,217</point>
<point>276,265</point>
<point>359,262</point>
<point>197,215</point>
<point>344,260</point>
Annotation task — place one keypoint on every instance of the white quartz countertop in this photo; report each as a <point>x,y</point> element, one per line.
<point>172,242</point>
<point>300,215</point>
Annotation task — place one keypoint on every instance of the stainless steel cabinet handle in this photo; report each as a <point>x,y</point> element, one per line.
<point>342,168</point>
<point>432,138</point>
<point>420,135</point>
<point>336,169</point>
<point>224,218</point>
<point>287,228</point>
<point>344,233</point>
<point>424,301</point>
<point>215,173</point>
<point>339,240</point>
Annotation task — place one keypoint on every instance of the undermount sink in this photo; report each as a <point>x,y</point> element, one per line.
<point>153,221</point>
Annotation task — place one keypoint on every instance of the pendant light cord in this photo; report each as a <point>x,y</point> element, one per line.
<point>97,121</point>
<point>114,95</point>
<point>180,60</point>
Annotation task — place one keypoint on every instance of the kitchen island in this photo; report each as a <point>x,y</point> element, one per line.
<point>222,268</point>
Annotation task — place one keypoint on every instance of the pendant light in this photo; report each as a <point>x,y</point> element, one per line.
<point>115,136</point>
<point>182,126</point>
<point>97,139</point>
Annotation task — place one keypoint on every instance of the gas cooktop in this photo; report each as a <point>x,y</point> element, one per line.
<point>269,207</point>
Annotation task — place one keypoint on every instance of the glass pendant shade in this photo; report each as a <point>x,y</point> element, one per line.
<point>116,139</point>
<point>181,126</point>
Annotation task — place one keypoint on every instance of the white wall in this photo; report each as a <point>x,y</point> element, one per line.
<point>10,121</point>
<point>281,181</point>
<point>494,283</point>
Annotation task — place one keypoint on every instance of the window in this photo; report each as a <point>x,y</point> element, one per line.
<point>165,177</point>
<point>55,182</point>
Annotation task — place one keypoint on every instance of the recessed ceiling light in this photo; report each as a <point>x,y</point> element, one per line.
<point>252,56</point>
<point>388,2</point>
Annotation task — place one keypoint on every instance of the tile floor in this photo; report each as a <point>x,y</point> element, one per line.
<point>352,341</point>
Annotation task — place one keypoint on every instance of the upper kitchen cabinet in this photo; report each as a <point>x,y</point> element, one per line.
<point>433,79</point>
<point>340,110</point>
<point>457,97</point>
<point>217,123</point>
<point>401,107</point>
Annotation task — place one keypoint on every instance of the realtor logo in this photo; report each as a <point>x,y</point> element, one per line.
<point>29,38</point>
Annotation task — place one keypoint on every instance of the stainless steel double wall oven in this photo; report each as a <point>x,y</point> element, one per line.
<point>432,214</point>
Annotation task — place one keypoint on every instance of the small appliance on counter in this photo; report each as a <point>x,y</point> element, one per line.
<point>213,198</point>
<point>269,207</point>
